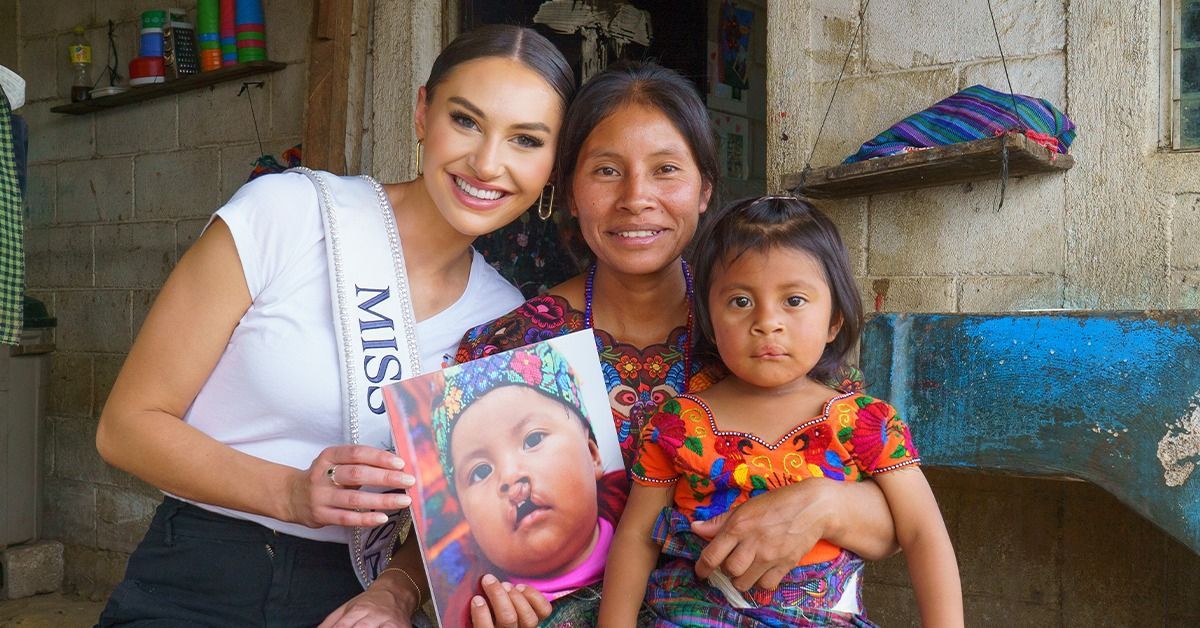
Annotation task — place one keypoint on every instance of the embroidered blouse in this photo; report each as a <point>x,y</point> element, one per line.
<point>715,470</point>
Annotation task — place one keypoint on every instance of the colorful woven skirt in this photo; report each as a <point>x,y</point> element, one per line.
<point>804,597</point>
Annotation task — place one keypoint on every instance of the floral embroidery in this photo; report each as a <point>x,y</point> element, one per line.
<point>628,367</point>
<point>655,366</point>
<point>724,469</point>
<point>528,366</point>
<point>667,431</point>
<point>543,312</point>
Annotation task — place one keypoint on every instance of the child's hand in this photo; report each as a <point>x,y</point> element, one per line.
<point>508,606</point>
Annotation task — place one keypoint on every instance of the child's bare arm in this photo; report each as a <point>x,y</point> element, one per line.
<point>922,534</point>
<point>632,556</point>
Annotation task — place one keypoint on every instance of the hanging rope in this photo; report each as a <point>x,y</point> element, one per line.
<point>1015,110</point>
<point>862,18</point>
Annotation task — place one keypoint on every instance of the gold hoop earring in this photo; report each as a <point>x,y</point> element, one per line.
<point>545,212</point>
<point>420,152</point>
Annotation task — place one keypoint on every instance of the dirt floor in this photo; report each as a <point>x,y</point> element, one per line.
<point>53,610</point>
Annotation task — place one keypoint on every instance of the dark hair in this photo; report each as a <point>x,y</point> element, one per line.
<point>506,41</point>
<point>644,83</point>
<point>786,222</point>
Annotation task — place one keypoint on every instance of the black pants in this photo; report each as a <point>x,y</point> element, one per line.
<point>199,568</point>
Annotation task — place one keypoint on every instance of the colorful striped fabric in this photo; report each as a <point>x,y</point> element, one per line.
<point>975,113</point>
<point>680,598</point>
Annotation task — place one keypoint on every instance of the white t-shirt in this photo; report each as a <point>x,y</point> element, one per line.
<point>275,391</point>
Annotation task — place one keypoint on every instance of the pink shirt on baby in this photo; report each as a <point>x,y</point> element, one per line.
<point>588,572</point>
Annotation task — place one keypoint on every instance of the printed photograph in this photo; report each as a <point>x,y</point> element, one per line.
<point>518,470</point>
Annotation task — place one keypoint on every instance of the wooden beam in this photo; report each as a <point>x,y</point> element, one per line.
<point>328,86</point>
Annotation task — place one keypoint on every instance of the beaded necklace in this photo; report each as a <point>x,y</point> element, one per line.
<point>685,343</point>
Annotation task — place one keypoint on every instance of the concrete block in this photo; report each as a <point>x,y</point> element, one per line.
<point>288,89</point>
<point>899,32</point>
<point>134,255</point>
<point>126,10</point>
<point>832,24</point>
<point>1185,232</point>
<point>94,320</point>
<point>850,217</point>
<point>142,300</point>
<point>889,604</point>
<point>237,162</point>
<point>908,294</point>
<point>54,136</point>
<point>1008,294</point>
<point>31,569</point>
<point>1022,550</point>
<point>105,369</point>
<point>95,190</point>
<point>219,116</point>
<point>958,230</point>
<point>181,184</point>
<point>59,257</point>
<point>867,105</point>
<point>1044,76</point>
<point>40,195</point>
<point>1181,587</point>
<point>1107,546</point>
<point>36,19</point>
<point>10,37</point>
<point>69,512</point>
<point>1185,290</point>
<point>144,127</point>
<point>70,385</point>
<point>40,58</point>
<point>93,573</point>
<point>186,234</point>
<point>289,27</point>
<point>76,457</point>
<point>122,518</point>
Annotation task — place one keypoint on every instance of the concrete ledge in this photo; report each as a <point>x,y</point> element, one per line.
<point>31,569</point>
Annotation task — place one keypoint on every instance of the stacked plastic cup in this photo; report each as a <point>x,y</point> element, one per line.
<point>251,31</point>
<point>228,33</point>
<point>208,34</point>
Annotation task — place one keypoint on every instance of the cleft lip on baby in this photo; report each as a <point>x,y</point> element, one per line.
<point>523,503</point>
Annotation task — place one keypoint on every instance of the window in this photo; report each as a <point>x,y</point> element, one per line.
<point>1183,64</point>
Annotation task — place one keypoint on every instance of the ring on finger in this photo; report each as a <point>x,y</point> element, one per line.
<point>331,473</point>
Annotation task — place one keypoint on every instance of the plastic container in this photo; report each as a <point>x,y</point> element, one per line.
<point>146,71</point>
<point>80,52</point>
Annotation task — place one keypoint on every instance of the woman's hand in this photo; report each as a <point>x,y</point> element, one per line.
<point>508,605</point>
<point>319,497</point>
<point>389,602</point>
<point>759,542</point>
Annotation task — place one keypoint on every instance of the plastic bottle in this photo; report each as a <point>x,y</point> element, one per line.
<point>81,62</point>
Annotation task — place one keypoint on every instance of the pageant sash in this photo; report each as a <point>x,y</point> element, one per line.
<point>375,325</point>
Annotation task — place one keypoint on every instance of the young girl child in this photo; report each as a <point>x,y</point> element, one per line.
<point>780,303</point>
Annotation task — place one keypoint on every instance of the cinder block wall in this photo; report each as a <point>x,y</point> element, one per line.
<point>1116,232</point>
<point>114,199</point>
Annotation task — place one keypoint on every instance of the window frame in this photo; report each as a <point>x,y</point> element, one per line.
<point>1171,79</point>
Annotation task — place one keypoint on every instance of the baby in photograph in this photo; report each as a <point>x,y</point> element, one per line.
<point>519,454</point>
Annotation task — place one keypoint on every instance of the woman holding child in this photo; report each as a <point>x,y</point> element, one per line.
<point>637,164</point>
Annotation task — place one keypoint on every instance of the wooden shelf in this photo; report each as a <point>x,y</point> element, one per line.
<point>158,90</point>
<point>942,165</point>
